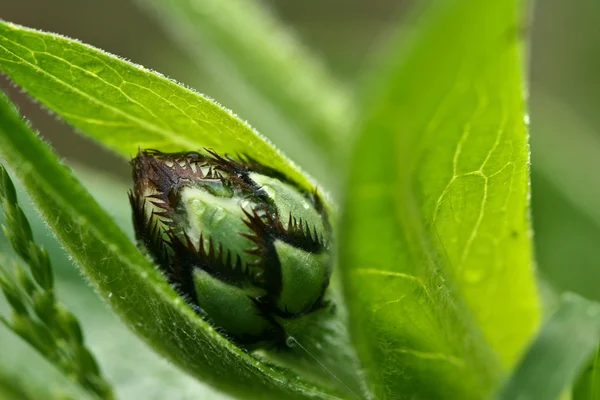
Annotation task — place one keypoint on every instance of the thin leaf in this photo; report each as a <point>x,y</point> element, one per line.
<point>245,38</point>
<point>558,353</point>
<point>566,159</point>
<point>565,196</point>
<point>587,386</point>
<point>128,281</point>
<point>566,239</point>
<point>123,105</point>
<point>12,388</point>
<point>435,250</point>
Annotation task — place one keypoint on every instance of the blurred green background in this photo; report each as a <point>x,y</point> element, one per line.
<point>565,135</point>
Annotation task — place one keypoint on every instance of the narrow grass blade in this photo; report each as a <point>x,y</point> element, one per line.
<point>587,386</point>
<point>565,196</point>
<point>12,388</point>
<point>558,353</point>
<point>566,158</point>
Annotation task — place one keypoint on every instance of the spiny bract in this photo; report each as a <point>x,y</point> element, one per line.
<point>242,243</point>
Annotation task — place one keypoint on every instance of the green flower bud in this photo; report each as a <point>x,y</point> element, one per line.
<point>240,242</point>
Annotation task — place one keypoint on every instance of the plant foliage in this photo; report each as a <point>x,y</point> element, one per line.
<point>435,285</point>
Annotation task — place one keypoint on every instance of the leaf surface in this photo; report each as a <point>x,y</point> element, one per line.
<point>436,251</point>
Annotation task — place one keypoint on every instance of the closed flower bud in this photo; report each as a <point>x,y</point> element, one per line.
<point>240,242</point>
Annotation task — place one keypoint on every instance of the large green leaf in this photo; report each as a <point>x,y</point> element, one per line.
<point>435,250</point>
<point>128,281</point>
<point>125,106</point>
<point>558,353</point>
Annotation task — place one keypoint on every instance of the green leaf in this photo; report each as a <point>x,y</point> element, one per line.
<point>565,196</point>
<point>13,388</point>
<point>243,38</point>
<point>436,250</point>
<point>566,159</point>
<point>587,386</point>
<point>558,353</point>
<point>124,106</point>
<point>128,281</point>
